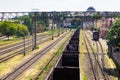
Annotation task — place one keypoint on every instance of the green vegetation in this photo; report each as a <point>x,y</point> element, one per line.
<point>9,42</point>
<point>113,36</point>
<point>42,21</point>
<point>26,21</point>
<point>55,31</point>
<point>84,77</point>
<point>9,28</point>
<point>75,22</point>
<point>57,53</point>
<point>44,18</point>
<point>41,26</point>
<point>22,30</point>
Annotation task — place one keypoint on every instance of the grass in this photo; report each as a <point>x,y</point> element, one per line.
<point>41,63</point>
<point>55,31</point>
<point>16,40</point>
<point>11,64</point>
<point>82,44</point>
<point>47,69</point>
<point>110,64</point>
<point>83,51</point>
<point>92,42</point>
<point>8,66</point>
<point>14,51</point>
<point>9,42</point>
<point>89,48</point>
<point>83,75</point>
<point>54,60</point>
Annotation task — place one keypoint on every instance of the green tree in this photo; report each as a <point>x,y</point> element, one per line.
<point>40,26</point>
<point>44,17</point>
<point>27,21</point>
<point>8,28</point>
<point>22,30</point>
<point>115,15</point>
<point>76,22</point>
<point>113,35</point>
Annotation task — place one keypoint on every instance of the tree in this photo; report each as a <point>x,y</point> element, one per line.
<point>44,17</point>
<point>22,30</point>
<point>7,28</point>
<point>113,35</point>
<point>27,21</point>
<point>40,26</point>
<point>75,22</point>
<point>115,15</point>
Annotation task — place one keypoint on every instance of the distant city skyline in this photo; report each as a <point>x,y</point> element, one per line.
<point>58,5</point>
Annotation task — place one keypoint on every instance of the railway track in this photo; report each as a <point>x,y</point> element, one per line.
<point>9,56</point>
<point>100,61</point>
<point>64,44</point>
<point>92,66</point>
<point>2,37</point>
<point>7,49</point>
<point>20,69</point>
<point>95,63</point>
<point>101,58</point>
<point>67,65</point>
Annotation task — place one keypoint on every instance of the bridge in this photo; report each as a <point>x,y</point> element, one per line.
<point>84,15</point>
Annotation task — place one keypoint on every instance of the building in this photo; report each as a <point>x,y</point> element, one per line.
<point>91,9</point>
<point>67,22</point>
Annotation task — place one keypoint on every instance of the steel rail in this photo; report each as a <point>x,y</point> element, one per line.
<point>20,69</point>
<point>85,41</point>
<point>64,44</point>
<point>96,59</point>
<point>5,58</point>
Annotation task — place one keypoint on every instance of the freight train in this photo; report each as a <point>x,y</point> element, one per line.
<point>96,35</point>
<point>67,66</point>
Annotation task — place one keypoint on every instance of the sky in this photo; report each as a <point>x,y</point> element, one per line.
<point>58,5</point>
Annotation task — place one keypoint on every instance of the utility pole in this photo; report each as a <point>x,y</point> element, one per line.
<point>53,22</point>
<point>34,19</point>
<point>35,24</point>
<point>23,40</point>
<point>24,44</point>
<point>52,29</point>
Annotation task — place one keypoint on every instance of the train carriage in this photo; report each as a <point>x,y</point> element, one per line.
<point>96,35</point>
